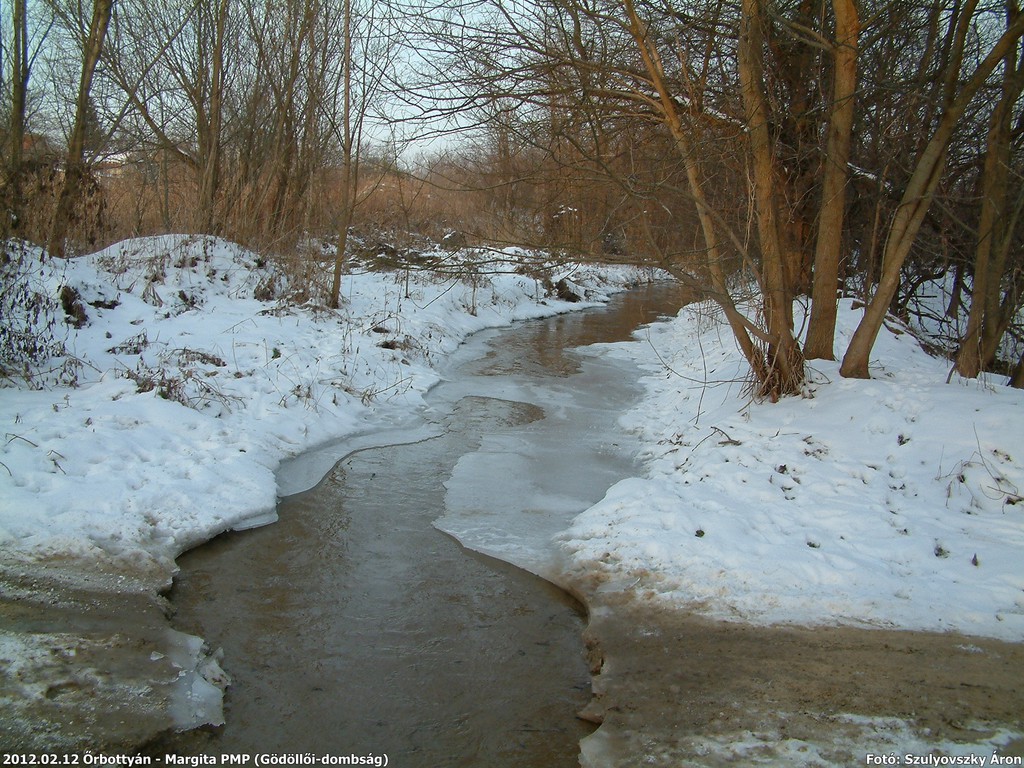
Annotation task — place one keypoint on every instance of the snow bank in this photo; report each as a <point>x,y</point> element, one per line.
<point>117,469</point>
<point>893,502</point>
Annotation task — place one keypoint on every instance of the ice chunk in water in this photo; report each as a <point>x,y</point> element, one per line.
<point>197,696</point>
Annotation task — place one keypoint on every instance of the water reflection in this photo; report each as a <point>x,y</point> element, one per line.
<point>353,626</point>
<point>547,346</point>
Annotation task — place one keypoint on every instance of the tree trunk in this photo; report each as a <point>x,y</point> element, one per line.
<point>74,165</point>
<point>349,172</point>
<point>713,254</point>
<point>19,94</point>
<point>999,315</point>
<point>796,69</point>
<point>1017,379</point>
<point>784,358</point>
<point>345,221</point>
<point>990,255</point>
<point>821,331</point>
<point>210,132</point>
<point>287,162</point>
<point>956,293</point>
<point>914,205</point>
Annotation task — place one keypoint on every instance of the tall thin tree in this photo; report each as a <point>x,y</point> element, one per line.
<point>19,99</point>
<point>828,247</point>
<point>349,156</point>
<point>74,166</point>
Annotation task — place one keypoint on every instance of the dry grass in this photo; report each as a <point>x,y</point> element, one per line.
<point>470,201</point>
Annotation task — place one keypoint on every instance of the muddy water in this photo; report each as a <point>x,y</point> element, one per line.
<point>353,626</point>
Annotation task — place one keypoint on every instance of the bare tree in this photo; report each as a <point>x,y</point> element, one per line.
<point>74,168</point>
<point>209,106</point>
<point>170,63</point>
<point>999,216</point>
<point>349,129</point>
<point>921,187</point>
<point>361,79</point>
<point>785,371</point>
<point>19,77</point>
<point>836,174</point>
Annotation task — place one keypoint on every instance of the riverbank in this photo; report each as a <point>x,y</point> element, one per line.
<point>160,422</point>
<point>884,505</point>
<point>680,688</point>
<point>893,503</point>
<point>811,581</point>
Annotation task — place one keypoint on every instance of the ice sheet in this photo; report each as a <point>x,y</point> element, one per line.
<point>540,475</point>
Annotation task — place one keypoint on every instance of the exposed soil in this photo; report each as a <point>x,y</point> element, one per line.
<point>681,689</point>
<point>672,688</point>
<point>87,654</point>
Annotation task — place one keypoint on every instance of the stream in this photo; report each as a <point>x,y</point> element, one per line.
<point>395,609</point>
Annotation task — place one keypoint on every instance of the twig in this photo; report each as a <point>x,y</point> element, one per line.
<point>50,456</point>
<point>671,370</point>
<point>12,437</point>
<point>728,440</point>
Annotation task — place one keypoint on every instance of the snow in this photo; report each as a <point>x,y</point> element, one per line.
<point>198,389</point>
<point>890,742</point>
<point>201,395</point>
<point>117,469</point>
<point>890,502</point>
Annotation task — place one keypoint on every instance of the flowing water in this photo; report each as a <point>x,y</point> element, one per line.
<point>353,626</point>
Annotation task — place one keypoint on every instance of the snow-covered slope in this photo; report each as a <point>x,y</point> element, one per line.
<point>119,469</point>
<point>895,502</point>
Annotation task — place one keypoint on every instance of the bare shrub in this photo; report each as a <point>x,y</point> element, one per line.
<point>34,327</point>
